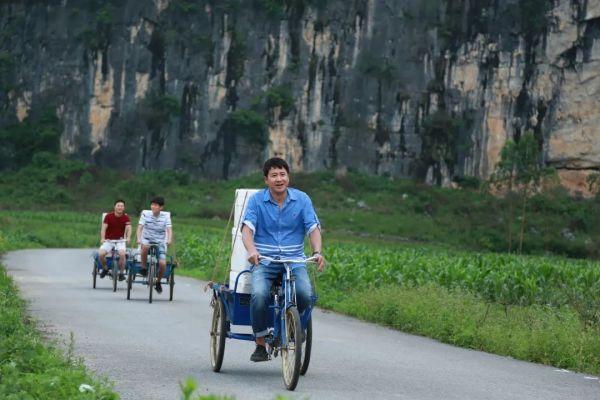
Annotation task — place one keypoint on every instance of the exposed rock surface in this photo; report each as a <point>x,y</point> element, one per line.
<point>425,89</point>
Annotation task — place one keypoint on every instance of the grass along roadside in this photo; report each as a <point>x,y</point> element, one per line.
<point>30,368</point>
<point>541,309</point>
<point>547,335</point>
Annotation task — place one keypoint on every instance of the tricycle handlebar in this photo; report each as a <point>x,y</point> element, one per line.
<point>289,260</point>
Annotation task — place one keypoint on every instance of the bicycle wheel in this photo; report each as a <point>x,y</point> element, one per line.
<point>291,355</point>
<point>171,283</point>
<point>306,348</point>
<point>218,334</point>
<point>129,282</point>
<point>151,274</point>
<point>94,275</point>
<point>113,273</point>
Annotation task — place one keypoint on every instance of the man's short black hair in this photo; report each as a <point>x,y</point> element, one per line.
<point>119,201</point>
<point>275,162</point>
<point>158,200</point>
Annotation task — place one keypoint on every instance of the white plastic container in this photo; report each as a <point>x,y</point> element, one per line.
<point>239,255</point>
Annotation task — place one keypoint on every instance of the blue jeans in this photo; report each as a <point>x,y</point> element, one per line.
<point>262,280</point>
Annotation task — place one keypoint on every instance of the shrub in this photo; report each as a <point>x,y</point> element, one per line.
<point>20,142</point>
<point>280,96</point>
<point>249,125</point>
<point>273,8</point>
<point>159,108</point>
<point>376,67</point>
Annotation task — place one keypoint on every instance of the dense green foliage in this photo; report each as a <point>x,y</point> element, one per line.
<point>440,135</point>
<point>236,57</point>
<point>20,142</point>
<point>375,207</point>
<point>280,96</point>
<point>533,18</point>
<point>249,125</point>
<point>273,8</point>
<point>520,174</point>
<point>499,278</point>
<point>159,108</point>
<point>379,68</point>
<point>46,181</point>
<point>276,96</point>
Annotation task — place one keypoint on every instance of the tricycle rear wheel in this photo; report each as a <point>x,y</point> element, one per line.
<point>306,348</point>
<point>218,334</point>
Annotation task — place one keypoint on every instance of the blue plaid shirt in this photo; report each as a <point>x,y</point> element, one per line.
<point>280,232</point>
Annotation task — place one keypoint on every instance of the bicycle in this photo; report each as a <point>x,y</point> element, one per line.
<point>151,273</point>
<point>112,262</point>
<point>289,334</point>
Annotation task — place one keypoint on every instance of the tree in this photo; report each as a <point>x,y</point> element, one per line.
<point>22,141</point>
<point>520,173</point>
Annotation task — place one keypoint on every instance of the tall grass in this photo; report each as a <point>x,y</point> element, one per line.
<point>543,334</point>
<point>369,206</point>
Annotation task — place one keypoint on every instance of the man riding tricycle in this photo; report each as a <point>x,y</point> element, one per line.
<point>279,308</point>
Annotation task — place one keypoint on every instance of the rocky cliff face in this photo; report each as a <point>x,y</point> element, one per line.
<point>429,89</point>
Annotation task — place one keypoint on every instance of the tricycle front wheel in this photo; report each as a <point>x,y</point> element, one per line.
<point>150,279</point>
<point>291,355</point>
<point>218,334</point>
<point>115,274</point>
<point>94,275</point>
<point>171,283</point>
<point>129,281</point>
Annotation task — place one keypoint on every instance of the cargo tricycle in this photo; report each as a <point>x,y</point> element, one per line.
<point>290,334</point>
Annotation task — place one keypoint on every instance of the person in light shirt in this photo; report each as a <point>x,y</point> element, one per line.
<point>274,225</point>
<point>155,228</point>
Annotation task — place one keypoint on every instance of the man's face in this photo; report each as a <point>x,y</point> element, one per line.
<point>156,208</point>
<point>119,208</point>
<point>277,180</point>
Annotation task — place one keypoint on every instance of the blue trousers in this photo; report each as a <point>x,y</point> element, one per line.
<point>262,280</point>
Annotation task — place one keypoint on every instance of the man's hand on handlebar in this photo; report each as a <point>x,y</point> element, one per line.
<point>254,258</point>
<point>320,260</point>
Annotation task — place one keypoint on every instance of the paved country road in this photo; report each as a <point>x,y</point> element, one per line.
<point>148,348</point>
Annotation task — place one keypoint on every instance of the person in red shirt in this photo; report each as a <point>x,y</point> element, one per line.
<point>115,234</point>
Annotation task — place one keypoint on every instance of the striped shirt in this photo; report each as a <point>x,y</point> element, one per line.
<point>279,232</point>
<point>155,227</point>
